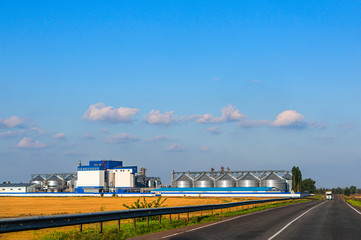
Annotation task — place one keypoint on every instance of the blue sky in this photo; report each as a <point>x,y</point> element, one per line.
<point>181,85</point>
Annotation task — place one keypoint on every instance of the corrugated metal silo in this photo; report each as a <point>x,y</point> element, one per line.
<point>204,181</point>
<point>184,181</point>
<point>249,180</point>
<point>288,178</point>
<point>226,180</point>
<point>38,180</point>
<point>273,180</point>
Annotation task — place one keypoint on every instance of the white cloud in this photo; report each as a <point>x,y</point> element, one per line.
<point>155,117</point>
<point>175,147</point>
<point>289,118</point>
<point>100,113</point>
<point>253,123</point>
<point>8,134</point>
<point>214,130</point>
<point>229,114</point>
<point>12,122</point>
<point>216,79</point>
<point>59,136</point>
<point>30,143</point>
<point>122,138</point>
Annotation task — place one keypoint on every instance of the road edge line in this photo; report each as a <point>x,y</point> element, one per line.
<point>352,207</point>
<point>294,220</point>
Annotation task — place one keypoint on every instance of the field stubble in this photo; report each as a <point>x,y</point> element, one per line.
<point>36,206</point>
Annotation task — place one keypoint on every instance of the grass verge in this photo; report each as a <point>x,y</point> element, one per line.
<point>128,231</point>
<point>354,202</point>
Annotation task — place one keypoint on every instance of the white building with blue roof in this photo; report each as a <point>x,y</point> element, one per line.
<point>104,176</point>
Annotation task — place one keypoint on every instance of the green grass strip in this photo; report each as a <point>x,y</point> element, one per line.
<point>127,230</point>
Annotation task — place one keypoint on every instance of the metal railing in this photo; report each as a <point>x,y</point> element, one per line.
<point>39,222</point>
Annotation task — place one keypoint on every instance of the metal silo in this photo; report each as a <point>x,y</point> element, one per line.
<point>226,181</point>
<point>38,180</point>
<point>288,178</point>
<point>54,182</point>
<point>249,180</point>
<point>184,182</point>
<point>204,181</point>
<point>273,180</point>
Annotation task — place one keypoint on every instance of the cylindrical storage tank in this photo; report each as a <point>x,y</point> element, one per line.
<point>151,183</point>
<point>204,181</point>
<point>184,182</point>
<point>226,181</point>
<point>273,180</point>
<point>38,180</point>
<point>288,178</point>
<point>249,180</point>
<point>54,181</point>
<point>158,183</point>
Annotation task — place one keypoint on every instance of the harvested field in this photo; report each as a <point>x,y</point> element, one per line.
<point>35,206</point>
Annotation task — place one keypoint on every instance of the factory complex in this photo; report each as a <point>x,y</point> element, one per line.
<point>111,177</point>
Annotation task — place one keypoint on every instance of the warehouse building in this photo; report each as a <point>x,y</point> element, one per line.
<point>17,188</point>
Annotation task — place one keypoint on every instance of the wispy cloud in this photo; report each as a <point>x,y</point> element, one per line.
<point>122,138</point>
<point>29,143</point>
<point>175,147</point>
<point>214,130</point>
<point>100,113</point>
<point>229,114</point>
<point>155,117</point>
<point>60,136</point>
<point>13,122</point>
<point>8,134</point>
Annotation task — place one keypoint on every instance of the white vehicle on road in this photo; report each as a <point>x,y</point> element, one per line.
<point>328,195</point>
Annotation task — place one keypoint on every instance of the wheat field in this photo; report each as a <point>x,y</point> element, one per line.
<point>36,206</point>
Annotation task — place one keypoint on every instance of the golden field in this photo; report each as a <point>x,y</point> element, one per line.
<point>35,206</point>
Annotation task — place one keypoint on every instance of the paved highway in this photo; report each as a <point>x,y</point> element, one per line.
<point>312,220</point>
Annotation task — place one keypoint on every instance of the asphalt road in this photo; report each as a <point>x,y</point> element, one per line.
<point>312,220</point>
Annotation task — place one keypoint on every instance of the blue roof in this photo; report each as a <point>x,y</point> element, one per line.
<point>216,189</point>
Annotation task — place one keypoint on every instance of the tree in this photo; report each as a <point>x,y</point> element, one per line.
<point>347,192</point>
<point>296,179</point>
<point>353,189</point>
<point>309,185</point>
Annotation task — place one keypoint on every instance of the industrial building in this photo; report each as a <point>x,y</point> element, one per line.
<point>17,188</point>
<point>100,176</point>
<point>272,179</point>
<point>112,176</point>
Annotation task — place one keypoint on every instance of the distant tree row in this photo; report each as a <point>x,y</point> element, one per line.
<point>346,191</point>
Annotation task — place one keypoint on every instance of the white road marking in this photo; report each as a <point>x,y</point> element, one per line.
<point>294,220</point>
<point>172,235</point>
<point>352,207</point>
<point>233,218</point>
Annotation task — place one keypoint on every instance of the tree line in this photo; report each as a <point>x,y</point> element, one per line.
<point>346,191</point>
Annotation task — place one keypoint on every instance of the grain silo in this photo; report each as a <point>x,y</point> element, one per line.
<point>273,180</point>
<point>204,181</point>
<point>226,180</point>
<point>249,180</point>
